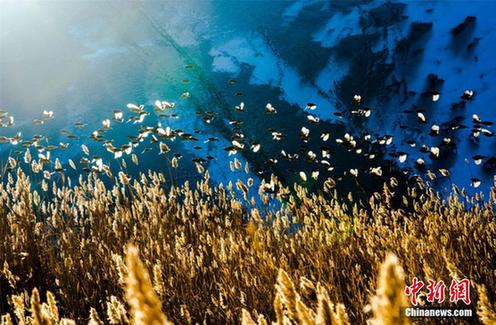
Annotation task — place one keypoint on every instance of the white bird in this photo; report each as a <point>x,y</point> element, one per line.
<point>435,151</point>
<point>72,164</point>
<point>98,164</point>
<point>164,148</point>
<point>475,182</point>
<point>118,115</point>
<point>311,155</point>
<point>270,109</point>
<point>238,144</point>
<point>444,172</point>
<point>162,105</point>
<point>311,106</point>
<point>421,117</point>
<point>376,170</point>
<point>135,108</point>
<point>304,132</point>
<point>313,119</point>
<point>240,107</point>
<point>47,114</point>
<point>255,147</point>
<point>85,149</point>
<point>58,165</point>
<point>468,94</point>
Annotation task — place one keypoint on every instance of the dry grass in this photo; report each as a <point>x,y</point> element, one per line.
<point>138,253</point>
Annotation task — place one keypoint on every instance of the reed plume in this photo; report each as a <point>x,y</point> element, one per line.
<point>145,306</point>
<point>213,251</point>
<point>485,310</point>
<point>389,301</point>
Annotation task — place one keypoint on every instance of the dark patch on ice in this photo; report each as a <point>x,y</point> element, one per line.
<point>385,15</point>
<point>294,42</point>
<point>462,34</point>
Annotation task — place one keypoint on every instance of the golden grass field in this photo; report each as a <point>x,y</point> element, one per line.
<point>137,253</point>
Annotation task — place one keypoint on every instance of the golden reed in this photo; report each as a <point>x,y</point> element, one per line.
<point>141,252</point>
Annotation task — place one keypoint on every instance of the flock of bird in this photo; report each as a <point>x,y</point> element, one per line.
<point>162,137</point>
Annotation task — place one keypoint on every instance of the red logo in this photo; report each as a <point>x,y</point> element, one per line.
<point>436,291</point>
<point>413,290</point>
<point>458,290</point>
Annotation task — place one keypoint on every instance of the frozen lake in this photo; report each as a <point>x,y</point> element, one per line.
<point>82,59</point>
